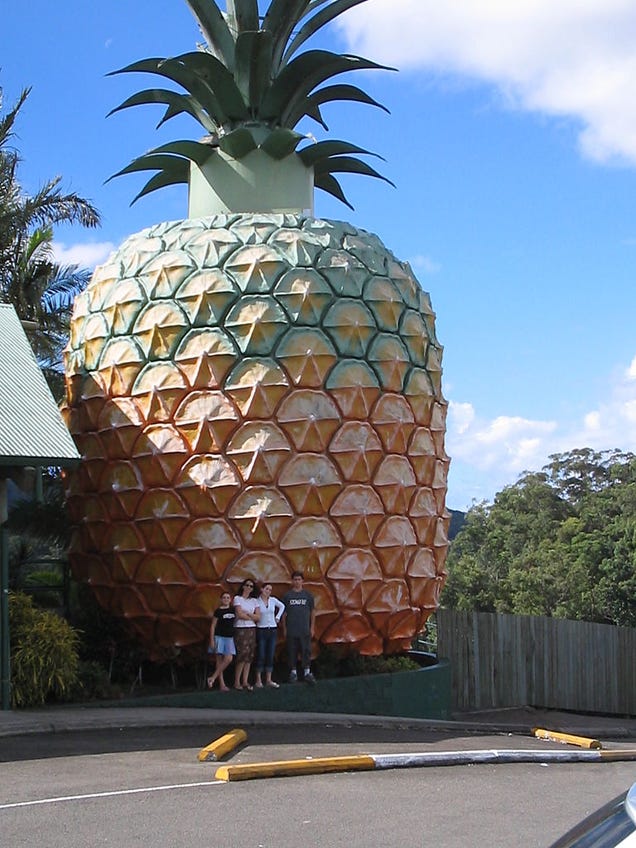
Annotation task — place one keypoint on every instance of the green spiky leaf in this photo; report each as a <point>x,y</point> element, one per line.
<point>315,23</point>
<point>323,149</point>
<point>174,176</point>
<point>214,29</point>
<point>348,165</point>
<point>298,79</point>
<point>281,142</point>
<point>328,183</point>
<point>150,162</point>
<point>242,15</point>
<point>330,94</point>
<point>214,76</point>
<point>178,104</point>
<point>238,143</point>
<point>178,72</point>
<point>253,64</point>
<point>281,19</point>
<point>195,150</point>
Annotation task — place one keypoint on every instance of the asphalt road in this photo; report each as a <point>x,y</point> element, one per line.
<point>146,788</point>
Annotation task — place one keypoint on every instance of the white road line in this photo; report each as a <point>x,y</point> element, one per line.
<point>109,794</point>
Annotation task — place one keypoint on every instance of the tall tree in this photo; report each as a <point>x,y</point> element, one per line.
<point>41,289</point>
<point>560,542</point>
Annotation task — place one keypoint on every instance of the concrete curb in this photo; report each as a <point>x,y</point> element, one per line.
<point>68,719</point>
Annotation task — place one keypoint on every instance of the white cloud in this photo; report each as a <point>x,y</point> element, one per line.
<point>84,255</point>
<point>425,264</point>
<point>461,416</point>
<point>489,454</point>
<point>508,444</point>
<point>574,58</point>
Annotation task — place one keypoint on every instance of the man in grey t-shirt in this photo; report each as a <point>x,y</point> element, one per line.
<point>298,622</point>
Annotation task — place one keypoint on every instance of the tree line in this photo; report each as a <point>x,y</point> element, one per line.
<point>560,542</point>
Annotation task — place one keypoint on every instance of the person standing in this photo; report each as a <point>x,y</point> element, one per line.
<point>245,633</point>
<point>299,621</point>
<point>222,640</point>
<point>271,610</point>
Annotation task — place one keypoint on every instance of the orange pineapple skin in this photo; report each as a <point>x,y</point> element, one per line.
<point>252,394</point>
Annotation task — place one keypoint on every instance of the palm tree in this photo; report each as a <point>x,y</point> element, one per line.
<point>40,289</point>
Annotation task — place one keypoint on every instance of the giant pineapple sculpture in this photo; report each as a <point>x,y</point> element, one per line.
<point>252,389</point>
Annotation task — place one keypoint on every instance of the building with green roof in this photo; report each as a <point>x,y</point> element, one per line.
<point>32,434</point>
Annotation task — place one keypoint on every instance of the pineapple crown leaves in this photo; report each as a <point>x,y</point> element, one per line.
<point>249,88</point>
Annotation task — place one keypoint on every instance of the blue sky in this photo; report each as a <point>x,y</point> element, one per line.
<point>512,142</point>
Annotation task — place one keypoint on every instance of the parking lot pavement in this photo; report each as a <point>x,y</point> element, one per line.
<point>145,786</point>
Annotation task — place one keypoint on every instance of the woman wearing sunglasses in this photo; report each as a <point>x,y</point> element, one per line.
<point>247,614</point>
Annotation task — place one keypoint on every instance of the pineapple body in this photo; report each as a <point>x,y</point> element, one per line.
<point>251,394</point>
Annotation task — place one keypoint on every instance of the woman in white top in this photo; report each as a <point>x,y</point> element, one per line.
<point>245,633</point>
<point>271,610</point>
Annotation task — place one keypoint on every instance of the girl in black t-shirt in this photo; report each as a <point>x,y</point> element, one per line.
<point>222,640</point>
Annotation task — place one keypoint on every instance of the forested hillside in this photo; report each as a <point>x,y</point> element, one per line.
<point>560,542</point>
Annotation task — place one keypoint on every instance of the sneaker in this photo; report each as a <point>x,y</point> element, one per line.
<point>309,678</point>
<point>293,677</point>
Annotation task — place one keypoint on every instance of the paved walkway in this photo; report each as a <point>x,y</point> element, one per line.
<point>58,719</point>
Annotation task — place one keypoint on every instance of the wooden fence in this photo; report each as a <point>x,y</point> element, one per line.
<point>519,660</point>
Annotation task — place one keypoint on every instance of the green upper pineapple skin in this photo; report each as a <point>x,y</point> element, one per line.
<point>342,262</point>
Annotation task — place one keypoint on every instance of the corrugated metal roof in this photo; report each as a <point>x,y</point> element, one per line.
<point>32,431</point>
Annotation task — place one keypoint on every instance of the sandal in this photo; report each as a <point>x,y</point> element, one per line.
<point>272,685</point>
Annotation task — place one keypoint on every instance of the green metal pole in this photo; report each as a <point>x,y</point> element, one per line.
<point>5,662</point>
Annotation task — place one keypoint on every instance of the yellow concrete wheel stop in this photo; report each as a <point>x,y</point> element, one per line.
<point>566,738</point>
<point>222,746</point>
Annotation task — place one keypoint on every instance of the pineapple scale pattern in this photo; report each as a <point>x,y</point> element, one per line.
<point>253,394</point>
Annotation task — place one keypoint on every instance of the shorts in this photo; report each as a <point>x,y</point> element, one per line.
<point>245,641</point>
<point>224,645</point>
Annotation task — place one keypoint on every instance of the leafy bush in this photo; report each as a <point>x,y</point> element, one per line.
<point>335,662</point>
<point>93,683</point>
<point>44,653</point>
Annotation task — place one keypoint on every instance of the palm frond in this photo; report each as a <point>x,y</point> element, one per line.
<point>66,282</point>
<point>7,121</point>
<point>50,206</point>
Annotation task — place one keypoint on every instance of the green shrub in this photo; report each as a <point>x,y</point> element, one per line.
<point>44,653</point>
<point>342,662</point>
<point>93,683</point>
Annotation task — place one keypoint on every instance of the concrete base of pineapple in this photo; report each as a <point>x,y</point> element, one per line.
<point>423,693</point>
